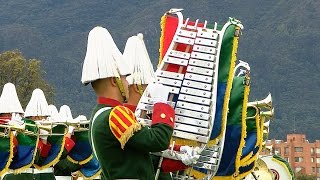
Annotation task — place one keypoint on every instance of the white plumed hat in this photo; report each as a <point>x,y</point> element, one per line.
<point>81,118</point>
<point>103,58</point>
<point>9,101</point>
<point>137,55</point>
<point>65,113</point>
<point>53,113</point>
<point>37,105</point>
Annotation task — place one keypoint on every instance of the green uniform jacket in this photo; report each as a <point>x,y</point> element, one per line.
<point>134,161</point>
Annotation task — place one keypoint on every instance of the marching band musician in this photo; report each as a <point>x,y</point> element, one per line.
<point>10,109</point>
<point>64,168</point>
<point>119,142</point>
<point>142,75</point>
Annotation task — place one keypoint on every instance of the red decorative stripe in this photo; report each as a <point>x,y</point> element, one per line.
<point>115,132</point>
<point>123,118</point>
<point>116,122</point>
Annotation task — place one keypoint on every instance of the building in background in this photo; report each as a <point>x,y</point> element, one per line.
<point>303,156</point>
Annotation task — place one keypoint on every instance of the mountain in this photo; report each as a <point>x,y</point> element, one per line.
<point>280,41</point>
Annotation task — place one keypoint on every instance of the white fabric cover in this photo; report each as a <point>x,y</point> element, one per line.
<point>38,105</point>
<point>103,58</point>
<point>65,113</point>
<point>136,53</point>
<point>9,101</point>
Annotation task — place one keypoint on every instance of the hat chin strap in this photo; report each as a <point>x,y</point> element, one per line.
<point>121,89</point>
<point>140,89</point>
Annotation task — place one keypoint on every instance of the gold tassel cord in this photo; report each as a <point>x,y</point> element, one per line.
<point>91,177</point>
<point>6,167</point>
<point>243,129</point>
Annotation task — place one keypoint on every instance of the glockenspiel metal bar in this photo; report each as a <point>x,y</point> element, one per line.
<point>192,121</point>
<point>194,99</point>
<point>192,106</point>
<point>197,77</point>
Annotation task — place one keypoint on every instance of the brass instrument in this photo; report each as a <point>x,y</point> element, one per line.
<point>48,126</point>
<point>268,114</point>
<point>265,103</point>
<point>257,111</point>
<point>20,128</point>
<point>79,126</point>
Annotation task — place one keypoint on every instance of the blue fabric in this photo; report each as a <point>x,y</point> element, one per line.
<point>90,168</point>
<point>81,151</point>
<point>231,145</point>
<point>4,157</point>
<point>53,153</point>
<point>23,157</point>
<point>221,91</point>
<point>251,141</point>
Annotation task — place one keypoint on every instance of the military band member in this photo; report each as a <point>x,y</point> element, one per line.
<point>64,168</point>
<point>10,109</point>
<point>119,142</point>
<point>142,75</point>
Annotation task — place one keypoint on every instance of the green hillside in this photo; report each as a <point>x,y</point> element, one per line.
<point>281,40</point>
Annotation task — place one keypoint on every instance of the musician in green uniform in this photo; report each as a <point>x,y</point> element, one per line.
<point>120,143</point>
<point>142,75</point>
<point>64,168</point>
<point>35,110</point>
<point>10,115</point>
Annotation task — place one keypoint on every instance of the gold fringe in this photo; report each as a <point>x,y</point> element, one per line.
<point>6,167</point>
<point>162,25</point>
<point>243,175</point>
<point>250,157</point>
<point>80,162</point>
<point>55,160</point>
<point>24,168</point>
<point>92,177</point>
<point>72,160</point>
<point>243,129</point>
<point>282,164</point>
<point>128,134</point>
<point>246,158</point>
<point>227,93</point>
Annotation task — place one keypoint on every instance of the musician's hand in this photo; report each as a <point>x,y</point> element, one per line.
<point>190,150</point>
<point>191,155</point>
<point>16,120</point>
<point>188,160</point>
<point>44,134</point>
<point>71,127</point>
<point>186,149</point>
<point>158,92</point>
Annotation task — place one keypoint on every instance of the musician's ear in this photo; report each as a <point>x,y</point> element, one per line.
<point>113,81</point>
<point>136,88</point>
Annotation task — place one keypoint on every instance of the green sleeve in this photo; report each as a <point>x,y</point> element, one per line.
<point>154,139</point>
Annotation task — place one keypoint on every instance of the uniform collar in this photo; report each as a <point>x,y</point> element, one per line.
<point>131,107</point>
<point>108,101</point>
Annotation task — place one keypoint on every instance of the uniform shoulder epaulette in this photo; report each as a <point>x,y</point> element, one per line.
<point>123,124</point>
